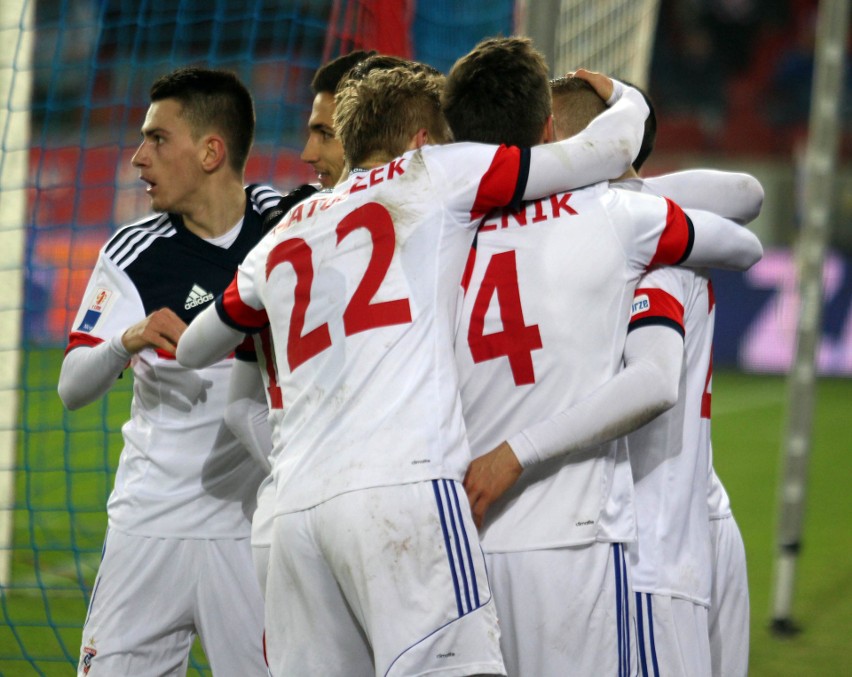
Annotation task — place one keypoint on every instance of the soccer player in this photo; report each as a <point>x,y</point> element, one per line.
<point>672,562</point>
<point>544,324</point>
<point>323,150</point>
<point>375,565</point>
<point>176,560</point>
<point>253,389</point>
<point>253,384</point>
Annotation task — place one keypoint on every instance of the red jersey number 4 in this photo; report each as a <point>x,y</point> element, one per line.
<point>516,340</point>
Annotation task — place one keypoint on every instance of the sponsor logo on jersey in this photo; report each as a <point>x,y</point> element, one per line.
<point>89,652</point>
<point>197,296</point>
<point>641,304</point>
<point>95,310</point>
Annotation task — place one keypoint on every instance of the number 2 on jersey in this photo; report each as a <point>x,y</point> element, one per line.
<point>361,312</point>
<point>516,340</point>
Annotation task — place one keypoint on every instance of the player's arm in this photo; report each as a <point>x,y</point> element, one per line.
<point>88,371</point>
<point>247,413</point>
<point>734,195</point>
<point>721,243</point>
<point>645,388</point>
<point>207,340</point>
<point>602,151</point>
<point>218,329</point>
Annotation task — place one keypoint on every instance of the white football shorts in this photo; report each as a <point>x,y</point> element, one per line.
<point>564,611</point>
<point>153,595</point>
<point>394,572</point>
<point>672,636</point>
<point>729,605</point>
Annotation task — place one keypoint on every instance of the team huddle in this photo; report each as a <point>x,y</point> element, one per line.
<point>445,412</point>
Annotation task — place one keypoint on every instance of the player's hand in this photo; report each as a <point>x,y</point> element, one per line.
<point>489,477</point>
<point>161,329</point>
<point>599,82</point>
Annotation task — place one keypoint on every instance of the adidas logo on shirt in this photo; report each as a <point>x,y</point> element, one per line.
<point>197,296</point>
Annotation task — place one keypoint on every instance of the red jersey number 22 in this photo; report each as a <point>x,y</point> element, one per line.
<point>516,340</point>
<point>361,313</point>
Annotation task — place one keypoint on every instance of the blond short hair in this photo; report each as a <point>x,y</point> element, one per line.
<point>376,117</point>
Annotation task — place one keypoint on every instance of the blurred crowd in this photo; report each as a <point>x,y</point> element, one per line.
<point>736,75</point>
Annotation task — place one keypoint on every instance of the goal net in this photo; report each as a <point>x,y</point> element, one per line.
<point>611,36</point>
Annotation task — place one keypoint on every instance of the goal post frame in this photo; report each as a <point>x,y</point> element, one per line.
<point>16,45</point>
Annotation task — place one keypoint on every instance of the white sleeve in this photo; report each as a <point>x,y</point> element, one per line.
<point>88,373</point>
<point>734,195</point>
<point>644,389</point>
<point>721,243</point>
<point>247,413</point>
<point>602,151</point>
<point>207,340</point>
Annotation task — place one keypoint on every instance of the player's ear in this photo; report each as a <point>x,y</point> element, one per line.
<point>548,133</point>
<point>420,139</point>
<point>214,152</point>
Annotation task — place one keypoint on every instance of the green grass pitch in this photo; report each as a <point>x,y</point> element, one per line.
<point>69,459</point>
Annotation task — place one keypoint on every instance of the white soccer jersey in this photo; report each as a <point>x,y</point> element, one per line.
<point>181,473</point>
<point>359,287</point>
<point>670,455</point>
<point>385,296</point>
<point>544,321</point>
<point>718,503</point>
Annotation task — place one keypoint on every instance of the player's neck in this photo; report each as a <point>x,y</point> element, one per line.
<point>629,174</point>
<point>219,213</point>
<point>373,160</point>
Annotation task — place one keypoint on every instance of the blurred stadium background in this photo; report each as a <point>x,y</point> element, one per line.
<point>731,80</point>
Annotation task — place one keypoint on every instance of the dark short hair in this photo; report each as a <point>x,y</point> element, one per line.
<point>329,75</point>
<point>212,100</point>
<point>649,137</point>
<point>499,93</point>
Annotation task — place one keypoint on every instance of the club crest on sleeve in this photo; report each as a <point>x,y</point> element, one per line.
<point>101,298</point>
<point>641,304</point>
<point>96,309</point>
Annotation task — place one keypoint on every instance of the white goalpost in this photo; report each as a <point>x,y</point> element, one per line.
<point>16,38</point>
<point>819,185</point>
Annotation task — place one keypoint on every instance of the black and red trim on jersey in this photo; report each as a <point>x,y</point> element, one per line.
<point>507,175</point>
<point>678,237</point>
<point>664,310</point>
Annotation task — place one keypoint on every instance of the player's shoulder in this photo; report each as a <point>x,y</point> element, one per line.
<point>669,278</point>
<point>262,197</point>
<point>456,156</point>
<point>639,203</point>
<point>133,238</point>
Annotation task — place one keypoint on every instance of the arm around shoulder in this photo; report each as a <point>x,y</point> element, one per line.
<point>602,151</point>
<point>733,195</point>
<point>721,243</point>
